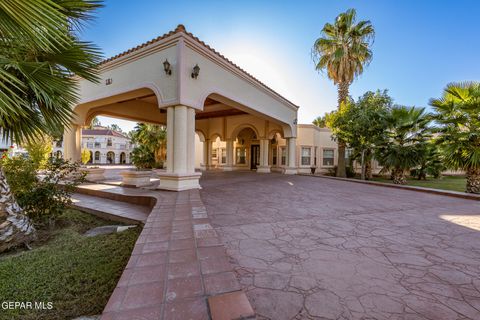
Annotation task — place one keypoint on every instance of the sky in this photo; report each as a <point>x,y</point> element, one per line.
<point>419,47</point>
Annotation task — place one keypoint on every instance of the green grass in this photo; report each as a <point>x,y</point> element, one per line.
<point>76,273</point>
<point>453,183</point>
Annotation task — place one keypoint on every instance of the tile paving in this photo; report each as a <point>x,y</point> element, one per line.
<point>311,248</point>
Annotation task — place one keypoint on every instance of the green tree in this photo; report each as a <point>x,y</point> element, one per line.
<point>40,54</point>
<point>153,137</point>
<point>343,50</point>
<point>39,150</point>
<point>115,127</point>
<point>407,135</point>
<point>95,122</point>
<point>361,125</point>
<point>457,114</point>
<point>320,121</point>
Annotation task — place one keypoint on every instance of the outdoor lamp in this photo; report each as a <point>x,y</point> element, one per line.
<point>196,71</point>
<point>166,67</point>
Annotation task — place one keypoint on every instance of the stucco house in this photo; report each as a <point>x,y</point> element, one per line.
<point>106,146</point>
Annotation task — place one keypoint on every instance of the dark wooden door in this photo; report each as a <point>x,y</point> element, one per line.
<point>254,156</point>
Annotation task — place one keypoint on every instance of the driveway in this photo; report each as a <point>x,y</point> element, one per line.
<point>313,248</point>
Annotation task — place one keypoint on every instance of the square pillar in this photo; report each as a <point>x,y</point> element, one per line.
<point>229,149</point>
<point>207,154</point>
<point>263,167</point>
<point>72,143</point>
<point>180,174</point>
<point>291,156</point>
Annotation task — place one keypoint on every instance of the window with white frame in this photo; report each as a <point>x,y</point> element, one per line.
<point>283,154</point>
<point>328,157</point>
<point>109,142</point>
<point>348,154</point>
<point>306,156</point>
<point>274,156</point>
<point>214,153</point>
<point>241,155</point>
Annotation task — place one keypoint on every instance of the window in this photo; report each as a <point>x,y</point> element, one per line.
<point>306,156</point>
<point>283,151</point>
<point>241,155</point>
<point>109,142</point>
<point>348,154</point>
<point>224,155</point>
<point>58,144</point>
<point>214,153</point>
<point>97,156</point>
<point>328,157</point>
<point>274,156</point>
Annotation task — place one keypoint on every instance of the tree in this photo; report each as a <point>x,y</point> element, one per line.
<point>39,150</point>
<point>457,114</point>
<point>40,53</point>
<point>95,123</point>
<point>343,51</point>
<point>320,121</point>
<point>406,140</point>
<point>115,127</point>
<point>361,125</point>
<point>153,137</point>
<point>86,156</point>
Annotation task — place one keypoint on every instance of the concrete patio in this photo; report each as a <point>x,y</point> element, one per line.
<point>312,248</point>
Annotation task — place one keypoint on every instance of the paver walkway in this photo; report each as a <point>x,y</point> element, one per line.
<point>311,248</point>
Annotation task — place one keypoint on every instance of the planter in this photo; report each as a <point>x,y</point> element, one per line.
<point>94,174</point>
<point>136,178</point>
<point>312,169</point>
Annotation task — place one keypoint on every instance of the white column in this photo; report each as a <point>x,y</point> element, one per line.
<point>72,143</point>
<point>207,154</point>
<point>291,156</point>
<point>263,167</point>
<point>170,119</point>
<point>229,150</point>
<point>180,173</point>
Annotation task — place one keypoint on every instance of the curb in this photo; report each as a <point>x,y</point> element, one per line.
<point>454,194</point>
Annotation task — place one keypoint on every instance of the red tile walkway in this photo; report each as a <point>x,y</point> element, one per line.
<point>177,263</point>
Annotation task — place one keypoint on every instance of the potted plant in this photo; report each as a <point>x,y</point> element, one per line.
<point>144,161</point>
<point>91,173</point>
<point>312,169</point>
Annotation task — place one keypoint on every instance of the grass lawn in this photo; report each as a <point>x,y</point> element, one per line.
<point>454,183</point>
<point>76,273</point>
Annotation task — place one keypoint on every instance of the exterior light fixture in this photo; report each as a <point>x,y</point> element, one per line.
<point>196,71</point>
<point>108,81</point>
<point>167,67</point>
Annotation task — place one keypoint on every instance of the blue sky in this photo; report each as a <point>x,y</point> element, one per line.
<point>420,46</point>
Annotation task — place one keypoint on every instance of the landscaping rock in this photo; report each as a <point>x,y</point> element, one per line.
<point>106,230</point>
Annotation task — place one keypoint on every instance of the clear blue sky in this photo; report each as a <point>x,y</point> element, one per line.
<point>420,46</point>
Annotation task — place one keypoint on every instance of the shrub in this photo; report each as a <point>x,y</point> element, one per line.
<point>46,195</point>
<point>39,151</point>
<point>348,169</point>
<point>143,158</point>
<point>85,156</point>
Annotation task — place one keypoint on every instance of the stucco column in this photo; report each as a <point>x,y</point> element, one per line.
<point>207,154</point>
<point>170,119</point>
<point>72,143</point>
<point>229,150</point>
<point>180,173</point>
<point>263,167</point>
<point>291,156</point>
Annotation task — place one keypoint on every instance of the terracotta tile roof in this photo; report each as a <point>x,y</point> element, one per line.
<point>102,132</point>
<point>181,28</point>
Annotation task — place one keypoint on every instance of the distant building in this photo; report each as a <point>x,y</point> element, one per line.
<point>106,146</point>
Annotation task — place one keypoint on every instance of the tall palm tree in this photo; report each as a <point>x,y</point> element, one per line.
<point>40,55</point>
<point>405,142</point>
<point>343,50</point>
<point>153,137</point>
<point>457,114</point>
<point>320,122</point>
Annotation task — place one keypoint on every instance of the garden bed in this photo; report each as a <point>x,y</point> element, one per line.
<point>76,273</point>
<point>453,183</point>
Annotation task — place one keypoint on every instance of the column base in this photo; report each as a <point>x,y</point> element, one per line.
<point>263,169</point>
<point>290,170</point>
<point>179,182</point>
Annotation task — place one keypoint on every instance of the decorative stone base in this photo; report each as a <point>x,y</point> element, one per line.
<point>94,174</point>
<point>136,178</point>
<point>263,169</point>
<point>179,182</point>
<point>290,170</point>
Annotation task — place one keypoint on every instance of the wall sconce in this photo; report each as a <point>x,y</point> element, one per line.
<point>196,71</point>
<point>167,67</point>
<point>108,81</point>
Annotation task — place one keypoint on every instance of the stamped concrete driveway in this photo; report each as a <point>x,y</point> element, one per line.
<point>313,248</point>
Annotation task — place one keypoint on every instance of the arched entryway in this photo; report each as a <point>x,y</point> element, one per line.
<point>97,157</point>
<point>123,158</point>
<point>110,157</point>
<point>90,160</point>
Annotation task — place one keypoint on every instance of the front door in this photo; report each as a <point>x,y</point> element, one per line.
<point>254,156</point>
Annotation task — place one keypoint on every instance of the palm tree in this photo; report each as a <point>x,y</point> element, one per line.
<point>320,122</point>
<point>40,55</point>
<point>153,137</point>
<point>457,114</point>
<point>343,51</point>
<point>405,141</point>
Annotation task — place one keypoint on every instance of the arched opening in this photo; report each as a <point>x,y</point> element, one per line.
<point>123,158</point>
<point>110,157</point>
<point>247,149</point>
<point>97,157</point>
<point>59,154</point>
<point>90,161</point>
